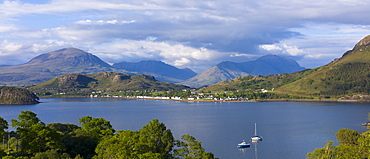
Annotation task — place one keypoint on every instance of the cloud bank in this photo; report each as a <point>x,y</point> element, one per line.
<point>194,34</point>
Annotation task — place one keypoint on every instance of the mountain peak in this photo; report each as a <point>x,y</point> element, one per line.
<point>360,52</point>
<point>363,42</point>
<point>68,57</point>
<point>69,51</point>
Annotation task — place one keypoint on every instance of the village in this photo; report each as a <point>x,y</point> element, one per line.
<point>195,96</point>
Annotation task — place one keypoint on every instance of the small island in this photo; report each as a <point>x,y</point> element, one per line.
<point>17,96</point>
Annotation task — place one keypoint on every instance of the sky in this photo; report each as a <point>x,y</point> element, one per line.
<point>192,33</point>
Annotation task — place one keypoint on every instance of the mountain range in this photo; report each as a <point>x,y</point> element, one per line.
<point>160,70</point>
<point>225,71</point>
<point>71,60</point>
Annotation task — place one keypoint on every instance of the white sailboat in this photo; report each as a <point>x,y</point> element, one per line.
<point>243,144</point>
<point>256,138</point>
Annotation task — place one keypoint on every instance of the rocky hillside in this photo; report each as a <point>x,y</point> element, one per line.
<point>13,95</point>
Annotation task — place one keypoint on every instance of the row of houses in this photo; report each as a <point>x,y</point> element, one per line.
<point>201,97</point>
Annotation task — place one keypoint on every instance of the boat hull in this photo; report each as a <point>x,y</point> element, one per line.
<point>244,146</point>
<point>256,138</point>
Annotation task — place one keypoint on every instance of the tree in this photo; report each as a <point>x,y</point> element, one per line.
<point>364,144</point>
<point>191,149</point>
<point>347,136</point>
<point>98,127</point>
<point>26,119</point>
<point>63,128</point>
<point>156,138</point>
<point>35,136</point>
<point>327,152</point>
<point>3,125</point>
<point>124,144</point>
<point>80,142</point>
<point>347,147</point>
<point>51,154</point>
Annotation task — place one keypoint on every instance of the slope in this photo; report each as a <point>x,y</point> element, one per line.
<point>347,75</point>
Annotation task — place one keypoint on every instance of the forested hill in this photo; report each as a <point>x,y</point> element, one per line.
<point>13,95</point>
<point>104,81</point>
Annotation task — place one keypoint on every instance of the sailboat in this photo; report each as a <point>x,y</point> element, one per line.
<point>243,144</point>
<point>256,138</point>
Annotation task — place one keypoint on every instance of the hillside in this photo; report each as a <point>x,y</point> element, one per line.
<point>255,83</point>
<point>13,95</point>
<point>160,70</point>
<point>104,81</point>
<point>225,71</point>
<point>49,65</point>
<point>347,75</point>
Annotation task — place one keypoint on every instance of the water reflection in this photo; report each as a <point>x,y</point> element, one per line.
<point>243,150</point>
<point>255,144</point>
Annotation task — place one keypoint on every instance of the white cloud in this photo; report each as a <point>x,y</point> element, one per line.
<point>7,47</point>
<point>7,28</point>
<point>103,22</point>
<point>171,53</point>
<point>283,48</point>
<point>15,53</point>
<point>271,47</point>
<point>182,62</point>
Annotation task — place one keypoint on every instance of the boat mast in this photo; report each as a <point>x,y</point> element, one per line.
<point>255,129</point>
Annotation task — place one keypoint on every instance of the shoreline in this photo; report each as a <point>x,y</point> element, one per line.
<point>252,100</point>
<point>312,100</point>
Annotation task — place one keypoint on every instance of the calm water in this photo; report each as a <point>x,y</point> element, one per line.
<point>289,129</point>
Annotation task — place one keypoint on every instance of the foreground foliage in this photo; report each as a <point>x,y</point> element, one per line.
<point>352,145</point>
<point>95,138</point>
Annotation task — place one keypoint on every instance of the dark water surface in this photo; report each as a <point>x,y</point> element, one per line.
<point>289,129</point>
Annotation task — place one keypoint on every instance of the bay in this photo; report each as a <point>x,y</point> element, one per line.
<point>289,129</point>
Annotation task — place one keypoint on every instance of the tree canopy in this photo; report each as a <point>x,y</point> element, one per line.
<point>95,138</point>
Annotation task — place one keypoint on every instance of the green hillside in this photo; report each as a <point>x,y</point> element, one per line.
<point>79,83</point>
<point>347,75</point>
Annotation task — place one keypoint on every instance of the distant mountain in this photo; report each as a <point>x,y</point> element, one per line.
<point>13,95</point>
<point>160,70</point>
<point>347,77</point>
<point>49,65</point>
<point>104,81</point>
<point>225,71</point>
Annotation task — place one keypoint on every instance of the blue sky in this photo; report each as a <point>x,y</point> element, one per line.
<point>192,33</point>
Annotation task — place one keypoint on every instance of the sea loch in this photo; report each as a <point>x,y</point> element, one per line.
<point>289,129</point>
